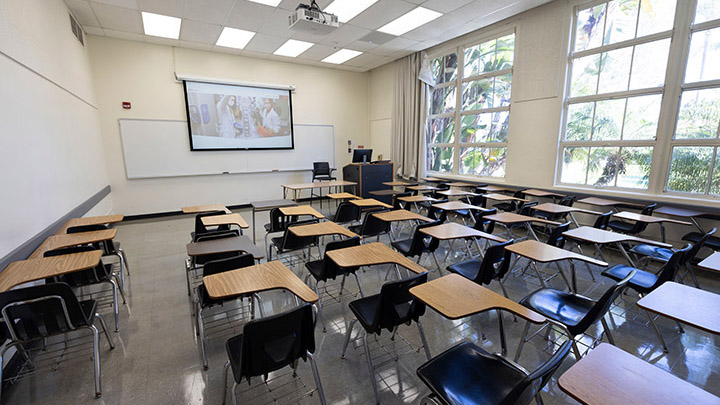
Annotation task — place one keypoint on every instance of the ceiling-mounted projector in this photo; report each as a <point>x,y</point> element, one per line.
<point>310,19</point>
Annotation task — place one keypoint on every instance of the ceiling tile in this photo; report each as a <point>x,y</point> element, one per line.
<point>381,13</point>
<point>434,28</point>
<point>362,46</point>
<point>131,36</point>
<point>276,23</point>
<point>380,62</point>
<point>118,18</point>
<point>174,8</point>
<point>364,60</point>
<point>119,3</point>
<point>195,45</point>
<point>445,6</point>
<point>317,53</point>
<point>292,4</point>
<point>344,35</point>
<point>208,11</point>
<point>200,32</point>
<point>397,44</point>
<point>265,43</point>
<point>94,31</point>
<point>83,12</point>
<point>480,8</point>
<point>249,16</point>
<point>161,41</point>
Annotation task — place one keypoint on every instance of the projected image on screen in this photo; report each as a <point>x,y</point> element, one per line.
<point>225,116</point>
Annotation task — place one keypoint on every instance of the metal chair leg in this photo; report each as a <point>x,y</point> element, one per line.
<point>607,331</point>
<point>316,375</point>
<point>423,339</point>
<point>576,351</point>
<point>437,263</point>
<point>371,369</point>
<point>503,341</point>
<point>320,308</point>
<point>347,337</point>
<point>96,361</point>
<point>362,294</point>
<point>692,274</point>
<point>115,305</point>
<point>234,391</point>
<point>657,331</point>
<point>105,331</point>
<point>225,376</point>
<point>522,341</point>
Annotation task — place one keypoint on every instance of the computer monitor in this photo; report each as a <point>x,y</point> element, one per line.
<point>362,155</point>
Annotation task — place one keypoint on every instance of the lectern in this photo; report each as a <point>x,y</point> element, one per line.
<point>369,177</point>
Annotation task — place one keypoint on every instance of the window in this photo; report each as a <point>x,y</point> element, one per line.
<point>469,112</point>
<point>694,162</point>
<point>617,74</point>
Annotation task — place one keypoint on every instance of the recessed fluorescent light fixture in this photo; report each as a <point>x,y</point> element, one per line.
<point>159,25</point>
<point>346,10</point>
<point>234,38</point>
<point>273,3</point>
<point>293,48</point>
<point>409,21</point>
<point>341,56</point>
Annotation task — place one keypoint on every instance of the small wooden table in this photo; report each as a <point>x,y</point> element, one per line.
<point>688,213</point>
<point>342,196</point>
<point>711,262</point>
<point>25,271</point>
<point>372,254</point>
<point>457,205</point>
<point>421,187</point>
<point>225,245</point>
<point>551,208</point>
<point>401,215</point>
<point>604,202</point>
<point>297,188</point>
<point>260,277</point>
<point>509,218</point>
<point>399,183</point>
<point>544,253</point>
<point>503,197</point>
<point>453,192</point>
<point>370,202</point>
<point>432,179</point>
<point>227,219</point>
<point>648,219</point>
<point>73,239</point>
<point>301,210</point>
<point>682,303</point>
<point>453,230</point>
<point>455,297</point>
<point>389,191</point>
<point>267,206</point>
<point>542,193</point>
<point>88,221</point>
<point>491,189</point>
<point>603,237</point>
<point>199,209</point>
<point>415,199</point>
<point>460,184</point>
<point>321,229</point>
<point>610,376</point>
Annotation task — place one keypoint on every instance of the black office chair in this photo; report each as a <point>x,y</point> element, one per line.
<point>566,201</point>
<point>371,225</point>
<point>289,242</point>
<point>602,221</point>
<point>278,223</point>
<point>194,263</point>
<point>322,172</point>
<point>631,228</point>
<point>483,225</point>
<point>391,308</point>
<point>713,242</point>
<point>397,204</point>
<point>419,243</point>
<point>493,266</point>
<point>478,201</point>
<point>271,343</point>
<point>203,299</point>
<point>438,214</point>
<point>662,255</point>
<point>32,314</point>
<point>346,212</point>
<point>109,248</point>
<point>468,375</point>
<point>510,206</point>
<point>645,282</point>
<point>100,274</point>
<point>325,269</point>
<point>574,313</point>
<point>436,195</point>
<point>201,229</point>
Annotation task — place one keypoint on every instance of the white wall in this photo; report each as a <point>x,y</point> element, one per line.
<point>143,74</point>
<point>381,101</point>
<point>51,155</point>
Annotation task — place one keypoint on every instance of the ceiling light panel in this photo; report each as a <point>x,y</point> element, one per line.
<point>234,38</point>
<point>272,3</point>
<point>409,21</point>
<point>293,48</point>
<point>341,56</point>
<point>159,25</point>
<point>346,10</point>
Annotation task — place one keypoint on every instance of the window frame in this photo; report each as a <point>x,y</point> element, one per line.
<point>458,113</point>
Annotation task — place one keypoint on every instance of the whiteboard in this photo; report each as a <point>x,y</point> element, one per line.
<point>161,148</point>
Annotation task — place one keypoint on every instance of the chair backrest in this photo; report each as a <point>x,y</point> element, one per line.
<point>478,201</point>
<point>396,203</point>
<point>321,169</point>
<point>346,212</point>
<point>482,224</point>
<point>200,228</point>
<point>648,209</point>
<point>418,245</point>
<point>439,187</point>
<point>229,263</point>
<point>495,263</point>
<point>372,226</point>
<point>519,194</point>
<point>213,235</point>
<point>696,247</point>
<point>556,237</point>
<point>396,305</point>
<point>640,225</point>
<point>40,311</point>
<point>601,222</point>
<point>279,221</point>
<point>668,270</point>
<point>94,275</point>
<point>525,208</point>
<point>439,214</point>
<point>107,246</point>
<point>330,269</point>
<point>568,200</point>
<point>530,386</point>
<point>291,241</point>
<point>601,306</point>
<point>276,341</point>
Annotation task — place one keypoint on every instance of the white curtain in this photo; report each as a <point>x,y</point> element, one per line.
<point>408,116</point>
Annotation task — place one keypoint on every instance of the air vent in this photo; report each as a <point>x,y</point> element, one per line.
<point>76,30</point>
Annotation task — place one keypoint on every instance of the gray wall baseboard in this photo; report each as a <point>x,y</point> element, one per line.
<point>24,250</point>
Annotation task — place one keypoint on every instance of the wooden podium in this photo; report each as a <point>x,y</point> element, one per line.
<point>369,177</point>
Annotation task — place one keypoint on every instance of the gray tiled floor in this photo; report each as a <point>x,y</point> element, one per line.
<point>157,360</point>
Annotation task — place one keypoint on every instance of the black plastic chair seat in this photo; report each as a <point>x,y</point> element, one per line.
<point>712,242</point>
<point>657,253</point>
<point>403,246</point>
<point>468,375</point>
<point>467,268</point>
<point>89,309</point>
<point>355,228</point>
<point>505,206</point>
<point>316,268</point>
<point>365,310</point>
<point>642,282</point>
<point>620,226</point>
<point>566,308</point>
